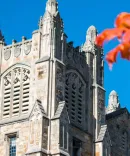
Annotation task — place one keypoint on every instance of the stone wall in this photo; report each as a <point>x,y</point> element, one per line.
<point>22,131</point>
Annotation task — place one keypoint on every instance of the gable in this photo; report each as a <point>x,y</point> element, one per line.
<point>61,112</point>
<point>37,111</point>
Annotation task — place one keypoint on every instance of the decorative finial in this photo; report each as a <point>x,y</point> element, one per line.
<point>90,39</point>
<point>113,102</point>
<point>91,34</point>
<point>14,41</point>
<point>52,6</point>
<point>23,38</point>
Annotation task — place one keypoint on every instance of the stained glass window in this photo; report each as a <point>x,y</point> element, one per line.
<point>12,146</point>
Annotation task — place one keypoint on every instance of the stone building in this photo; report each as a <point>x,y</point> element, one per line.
<point>52,96</point>
<point>118,123</point>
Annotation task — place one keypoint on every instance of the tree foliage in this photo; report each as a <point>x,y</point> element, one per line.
<point>121,31</point>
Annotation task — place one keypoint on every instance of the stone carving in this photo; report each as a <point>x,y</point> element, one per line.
<point>73,79</point>
<point>68,78</point>
<point>27,49</point>
<point>17,51</point>
<point>26,75</point>
<point>17,75</point>
<point>81,86</point>
<point>7,54</point>
<point>59,83</point>
<point>7,79</point>
<point>91,34</point>
<point>42,70</point>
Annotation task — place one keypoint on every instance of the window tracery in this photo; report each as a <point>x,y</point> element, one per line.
<point>74,97</point>
<point>16,92</point>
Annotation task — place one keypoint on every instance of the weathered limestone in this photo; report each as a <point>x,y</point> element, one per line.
<point>52,96</point>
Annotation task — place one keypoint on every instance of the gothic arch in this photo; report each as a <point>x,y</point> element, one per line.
<point>75,89</point>
<point>16,65</point>
<point>70,68</point>
<point>15,88</point>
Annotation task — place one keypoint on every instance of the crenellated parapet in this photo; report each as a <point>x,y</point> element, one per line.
<point>27,51</point>
<point>17,49</point>
<point>15,53</point>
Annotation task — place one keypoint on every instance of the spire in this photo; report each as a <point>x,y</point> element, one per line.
<point>52,6</point>
<point>90,39</point>
<point>91,34</point>
<point>113,102</point>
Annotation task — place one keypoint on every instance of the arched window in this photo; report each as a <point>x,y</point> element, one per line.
<point>15,91</point>
<point>75,97</point>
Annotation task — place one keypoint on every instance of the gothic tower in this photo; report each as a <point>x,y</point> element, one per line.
<point>51,93</point>
<point>95,62</point>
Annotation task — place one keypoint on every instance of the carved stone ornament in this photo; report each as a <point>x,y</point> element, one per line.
<point>26,75</point>
<point>7,54</point>
<point>17,75</point>
<point>17,51</point>
<point>81,86</point>
<point>42,70</point>
<point>27,49</point>
<point>75,82</point>
<point>7,79</point>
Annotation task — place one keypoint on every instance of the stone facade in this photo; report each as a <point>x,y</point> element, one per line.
<point>118,123</point>
<point>52,96</point>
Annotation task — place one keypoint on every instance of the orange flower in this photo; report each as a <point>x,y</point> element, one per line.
<point>122,32</point>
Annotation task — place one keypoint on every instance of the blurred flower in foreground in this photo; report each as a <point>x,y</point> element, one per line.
<point>122,33</point>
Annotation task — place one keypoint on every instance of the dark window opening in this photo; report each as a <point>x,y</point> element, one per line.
<point>76,147</point>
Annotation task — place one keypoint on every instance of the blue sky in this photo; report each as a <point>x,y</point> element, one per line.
<point>20,18</point>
